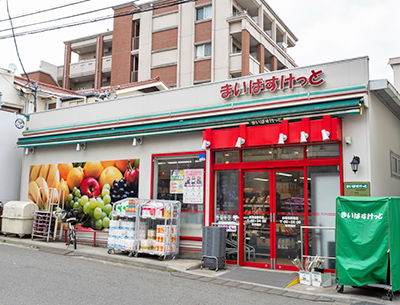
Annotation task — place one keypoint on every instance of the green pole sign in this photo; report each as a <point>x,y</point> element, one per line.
<point>357,189</point>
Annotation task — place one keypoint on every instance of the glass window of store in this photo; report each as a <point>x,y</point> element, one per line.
<point>323,186</point>
<point>181,177</point>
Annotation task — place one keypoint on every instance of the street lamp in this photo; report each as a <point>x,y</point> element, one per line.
<point>354,163</point>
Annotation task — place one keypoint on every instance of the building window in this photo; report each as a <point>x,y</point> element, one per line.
<point>181,177</point>
<point>136,34</point>
<point>135,68</point>
<point>51,106</point>
<point>323,151</point>
<point>395,165</point>
<point>203,50</point>
<point>235,11</point>
<point>204,12</point>
<point>236,47</point>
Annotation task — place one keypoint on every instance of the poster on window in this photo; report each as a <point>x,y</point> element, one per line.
<point>176,182</point>
<point>193,190</point>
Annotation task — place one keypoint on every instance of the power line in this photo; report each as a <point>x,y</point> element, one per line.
<point>15,43</point>
<point>131,12</point>
<point>45,10</point>
<point>56,19</point>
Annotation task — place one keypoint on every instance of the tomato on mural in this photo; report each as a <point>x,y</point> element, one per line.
<point>89,189</point>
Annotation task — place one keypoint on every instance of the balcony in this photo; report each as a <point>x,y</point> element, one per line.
<point>82,68</point>
<point>254,66</point>
<point>235,64</point>
<point>106,65</point>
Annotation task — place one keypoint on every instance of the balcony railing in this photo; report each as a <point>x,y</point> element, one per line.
<point>134,76</point>
<point>82,68</point>
<point>106,65</point>
<point>135,43</point>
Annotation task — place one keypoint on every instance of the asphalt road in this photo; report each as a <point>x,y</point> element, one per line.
<point>30,276</point>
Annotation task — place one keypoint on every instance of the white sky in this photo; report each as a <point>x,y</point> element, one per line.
<point>327,31</point>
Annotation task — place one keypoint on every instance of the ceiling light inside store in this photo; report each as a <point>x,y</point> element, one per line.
<point>284,174</point>
<point>261,179</point>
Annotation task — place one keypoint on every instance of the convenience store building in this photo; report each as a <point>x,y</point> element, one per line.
<point>269,152</point>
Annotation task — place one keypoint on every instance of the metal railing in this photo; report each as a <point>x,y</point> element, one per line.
<point>302,240</point>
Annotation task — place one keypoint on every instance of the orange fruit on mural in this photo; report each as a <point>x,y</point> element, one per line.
<point>64,169</point>
<point>122,165</point>
<point>107,163</point>
<point>93,169</point>
<point>109,175</point>
<point>75,177</point>
<point>63,194</point>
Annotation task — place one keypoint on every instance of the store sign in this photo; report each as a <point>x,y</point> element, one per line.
<point>363,216</point>
<point>265,121</point>
<point>256,86</point>
<point>357,189</point>
<point>230,226</point>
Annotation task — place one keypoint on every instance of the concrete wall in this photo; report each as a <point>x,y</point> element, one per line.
<point>356,127</point>
<point>384,137</point>
<point>11,158</point>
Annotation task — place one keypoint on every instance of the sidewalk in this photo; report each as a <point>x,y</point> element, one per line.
<point>233,276</point>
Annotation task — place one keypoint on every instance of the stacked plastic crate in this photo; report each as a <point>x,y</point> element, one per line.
<point>214,247</point>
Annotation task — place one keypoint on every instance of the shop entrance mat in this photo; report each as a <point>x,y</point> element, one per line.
<point>261,277</point>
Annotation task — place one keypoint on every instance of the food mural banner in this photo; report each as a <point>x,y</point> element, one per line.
<point>88,189</point>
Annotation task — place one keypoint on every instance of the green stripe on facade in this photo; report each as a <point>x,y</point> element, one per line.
<point>227,105</point>
<point>183,125</point>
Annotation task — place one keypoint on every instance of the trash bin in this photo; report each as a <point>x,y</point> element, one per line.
<point>17,217</point>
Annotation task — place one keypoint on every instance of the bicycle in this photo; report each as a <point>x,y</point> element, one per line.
<point>68,217</point>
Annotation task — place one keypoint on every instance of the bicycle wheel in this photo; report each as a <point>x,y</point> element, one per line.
<point>74,238</point>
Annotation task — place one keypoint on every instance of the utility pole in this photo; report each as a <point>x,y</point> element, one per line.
<point>35,96</point>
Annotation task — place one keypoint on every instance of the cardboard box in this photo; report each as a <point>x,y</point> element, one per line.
<point>319,279</point>
<point>305,278</point>
<point>262,241</point>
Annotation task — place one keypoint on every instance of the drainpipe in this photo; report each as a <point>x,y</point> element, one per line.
<point>26,101</point>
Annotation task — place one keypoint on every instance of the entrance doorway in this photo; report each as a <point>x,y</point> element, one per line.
<point>273,211</point>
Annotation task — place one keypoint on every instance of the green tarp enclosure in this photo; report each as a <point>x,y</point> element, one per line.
<point>368,241</point>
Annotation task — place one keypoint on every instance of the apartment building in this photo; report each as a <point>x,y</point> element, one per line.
<point>184,44</point>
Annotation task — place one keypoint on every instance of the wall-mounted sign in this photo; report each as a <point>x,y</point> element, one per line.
<point>256,86</point>
<point>356,189</point>
<point>19,123</point>
<point>265,121</point>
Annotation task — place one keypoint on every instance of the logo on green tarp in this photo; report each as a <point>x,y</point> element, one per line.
<point>356,189</point>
